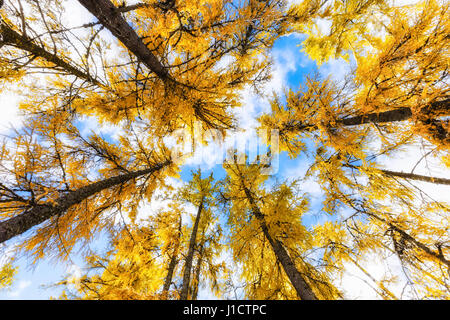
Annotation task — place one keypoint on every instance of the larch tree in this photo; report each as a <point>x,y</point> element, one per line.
<point>397,97</point>
<point>139,263</point>
<point>7,273</point>
<point>129,270</point>
<point>207,265</point>
<point>71,185</point>
<point>401,56</point>
<point>269,239</point>
<point>200,192</point>
<point>155,72</point>
<point>65,83</point>
<point>145,259</point>
<point>153,75</point>
<point>154,67</point>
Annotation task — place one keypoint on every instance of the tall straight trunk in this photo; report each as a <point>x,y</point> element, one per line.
<point>419,177</point>
<point>438,255</point>
<point>406,236</point>
<point>190,256</point>
<point>400,114</point>
<point>436,128</point>
<point>170,271</point>
<point>172,264</point>
<point>110,17</point>
<point>197,271</point>
<point>39,213</point>
<point>133,7</point>
<point>302,288</point>
<point>410,176</point>
<point>13,38</point>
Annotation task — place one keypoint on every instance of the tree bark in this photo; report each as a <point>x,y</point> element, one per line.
<point>400,114</point>
<point>110,17</point>
<point>410,176</point>
<point>13,38</point>
<point>190,255</point>
<point>303,289</point>
<point>133,7</point>
<point>39,213</point>
<point>172,264</point>
<point>419,177</point>
<point>420,245</point>
<point>170,270</point>
<point>408,237</point>
<point>197,273</point>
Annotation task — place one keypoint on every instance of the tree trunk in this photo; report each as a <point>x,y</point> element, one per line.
<point>13,38</point>
<point>198,268</point>
<point>170,271</point>
<point>407,237</point>
<point>110,17</point>
<point>133,7</point>
<point>400,114</point>
<point>410,176</point>
<point>172,264</point>
<point>438,255</point>
<point>190,255</point>
<point>303,289</point>
<point>42,212</point>
<point>419,177</point>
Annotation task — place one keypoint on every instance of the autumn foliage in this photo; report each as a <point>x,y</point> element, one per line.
<point>154,68</point>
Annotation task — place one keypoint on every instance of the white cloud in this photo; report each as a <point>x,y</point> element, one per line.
<point>409,159</point>
<point>160,201</point>
<point>19,288</point>
<point>10,115</point>
<point>286,60</point>
<point>75,14</point>
<point>399,3</point>
<point>336,69</point>
<point>358,285</point>
<point>92,125</point>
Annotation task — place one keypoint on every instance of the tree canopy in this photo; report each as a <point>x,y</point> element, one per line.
<point>152,69</point>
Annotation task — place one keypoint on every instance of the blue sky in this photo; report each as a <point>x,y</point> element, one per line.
<point>290,69</point>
